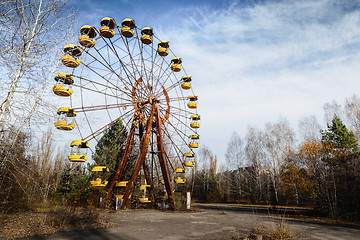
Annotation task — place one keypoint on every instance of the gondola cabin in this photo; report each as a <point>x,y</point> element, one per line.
<point>186,82</point>
<point>78,151</point>
<point>107,27</point>
<point>147,35</point>
<point>128,26</point>
<point>98,183</point>
<point>193,145</point>
<point>163,48</point>
<point>64,121</point>
<point>194,125</point>
<point>189,159</point>
<point>179,170</point>
<point>71,57</point>
<point>59,88</point>
<point>121,184</point>
<point>100,169</point>
<point>189,164</point>
<point>88,33</point>
<point>195,121</point>
<point>176,61</point>
<point>180,180</point>
<point>192,104</point>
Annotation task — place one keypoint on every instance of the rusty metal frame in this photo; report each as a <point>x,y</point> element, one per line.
<point>122,165</point>
<point>144,144</point>
<point>162,159</point>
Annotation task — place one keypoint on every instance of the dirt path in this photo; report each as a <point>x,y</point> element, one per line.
<point>203,224</point>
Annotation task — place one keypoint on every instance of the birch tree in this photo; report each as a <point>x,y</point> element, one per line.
<point>279,139</point>
<point>235,153</point>
<point>32,34</point>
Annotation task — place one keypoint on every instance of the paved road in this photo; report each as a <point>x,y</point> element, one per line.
<point>209,222</point>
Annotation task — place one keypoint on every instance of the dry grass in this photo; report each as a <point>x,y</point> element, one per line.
<point>278,232</point>
<point>50,220</point>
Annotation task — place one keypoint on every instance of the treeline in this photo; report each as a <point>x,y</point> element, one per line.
<point>320,168</point>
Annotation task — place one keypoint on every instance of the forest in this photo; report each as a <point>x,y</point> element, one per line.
<point>319,168</point>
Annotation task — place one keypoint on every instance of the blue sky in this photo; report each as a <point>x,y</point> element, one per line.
<point>252,62</point>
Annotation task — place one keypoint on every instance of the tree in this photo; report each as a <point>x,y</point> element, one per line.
<point>235,153</point>
<point>342,157</point>
<point>110,147</point>
<point>31,32</point>
<point>279,138</point>
<point>309,128</point>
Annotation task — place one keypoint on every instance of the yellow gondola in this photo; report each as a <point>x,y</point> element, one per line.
<point>119,196</point>
<point>192,105</point>
<point>195,117</point>
<point>64,78</point>
<point>176,64</point>
<point>194,125</point>
<point>147,35</point>
<point>63,123</point>
<point>100,169</point>
<point>121,184</point>
<point>144,200</point>
<point>180,180</point>
<point>107,27</point>
<point>186,78</point>
<point>162,48</point>
<point>194,145</point>
<point>189,164</point>
<point>71,57</point>
<point>88,33</point>
<point>61,91</point>
<point>193,98</point>
<point>143,187</point>
<point>194,137</point>
<point>179,170</point>
<point>186,86</point>
<point>127,27</point>
<point>186,82</point>
<point>98,183</point>
<point>78,151</point>
<point>189,155</point>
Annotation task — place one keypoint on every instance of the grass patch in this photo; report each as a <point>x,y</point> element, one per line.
<point>49,219</point>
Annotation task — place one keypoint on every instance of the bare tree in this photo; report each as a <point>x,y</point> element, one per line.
<point>235,153</point>
<point>332,109</point>
<point>254,151</point>
<point>279,138</point>
<point>32,33</point>
<point>352,111</point>
<point>309,128</point>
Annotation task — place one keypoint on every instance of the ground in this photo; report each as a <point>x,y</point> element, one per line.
<point>205,223</point>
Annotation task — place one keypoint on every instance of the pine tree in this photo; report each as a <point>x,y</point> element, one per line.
<point>342,156</point>
<point>341,143</point>
<point>110,148</point>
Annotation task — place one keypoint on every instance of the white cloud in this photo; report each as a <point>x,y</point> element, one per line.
<point>253,65</point>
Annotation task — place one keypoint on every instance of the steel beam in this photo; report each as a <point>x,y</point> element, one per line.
<point>122,165</point>
<point>162,159</point>
<point>144,144</point>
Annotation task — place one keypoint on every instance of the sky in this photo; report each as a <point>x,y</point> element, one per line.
<point>252,62</point>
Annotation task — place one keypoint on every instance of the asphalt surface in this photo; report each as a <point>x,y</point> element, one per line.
<point>208,222</point>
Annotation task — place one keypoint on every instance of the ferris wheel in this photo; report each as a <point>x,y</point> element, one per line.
<point>126,74</point>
